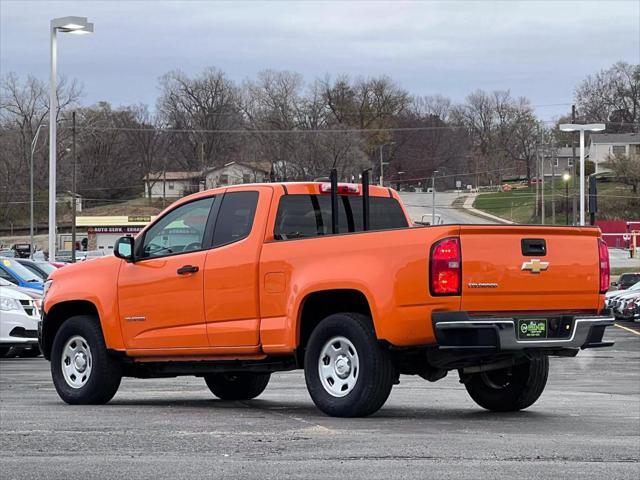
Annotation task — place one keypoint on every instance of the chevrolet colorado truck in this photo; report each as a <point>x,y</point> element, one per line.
<point>233,284</point>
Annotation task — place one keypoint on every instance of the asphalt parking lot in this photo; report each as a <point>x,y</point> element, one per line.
<point>586,425</point>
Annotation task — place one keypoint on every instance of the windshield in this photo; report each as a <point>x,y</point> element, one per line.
<point>24,273</point>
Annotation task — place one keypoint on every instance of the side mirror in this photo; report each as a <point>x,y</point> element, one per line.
<point>124,249</point>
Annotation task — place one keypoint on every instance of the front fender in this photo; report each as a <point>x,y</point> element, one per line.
<point>94,282</point>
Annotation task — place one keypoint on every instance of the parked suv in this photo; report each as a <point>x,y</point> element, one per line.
<point>19,317</point>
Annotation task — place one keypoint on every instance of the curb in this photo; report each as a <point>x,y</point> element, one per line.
<point>468,207</point>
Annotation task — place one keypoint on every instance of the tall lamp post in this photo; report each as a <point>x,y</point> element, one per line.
<point>382,163</point>
<point>575,127</point>
<point>34,142</point>
<point>433,197</point>
<point>565,178</point>
<point>78,26</point>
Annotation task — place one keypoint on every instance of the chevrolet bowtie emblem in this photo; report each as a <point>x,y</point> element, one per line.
<point>535,266</point>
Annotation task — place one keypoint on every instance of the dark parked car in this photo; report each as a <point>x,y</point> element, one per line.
<point>40,267</point>
<point>626,280</point>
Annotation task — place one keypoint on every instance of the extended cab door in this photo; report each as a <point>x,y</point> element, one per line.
<point>160,295</point>
<point>231,289</point>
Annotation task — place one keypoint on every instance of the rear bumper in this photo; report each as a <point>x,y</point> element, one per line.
<point>459,331</point>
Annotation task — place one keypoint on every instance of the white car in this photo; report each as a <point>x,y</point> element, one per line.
<point>19,315</point>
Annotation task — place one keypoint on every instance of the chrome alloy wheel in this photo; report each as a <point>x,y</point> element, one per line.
<point>76,362</point>
<point>338,366</point>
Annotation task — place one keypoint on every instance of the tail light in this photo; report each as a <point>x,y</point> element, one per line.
<point>343,188</point>
<point>445,267</point>
<point>605,266</point>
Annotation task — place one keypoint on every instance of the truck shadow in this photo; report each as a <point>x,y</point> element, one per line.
<point>307,411</point>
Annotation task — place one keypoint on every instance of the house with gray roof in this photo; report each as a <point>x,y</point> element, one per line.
<point>604,144</point>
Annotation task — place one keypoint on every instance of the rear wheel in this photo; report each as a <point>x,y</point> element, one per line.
<point>348,373</point>
<point>4,351</point>
<point>83,372</point>
<point>237,386</point>
<point>509,389</point>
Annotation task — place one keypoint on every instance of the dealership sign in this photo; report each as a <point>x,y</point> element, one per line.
<point>124,230</point>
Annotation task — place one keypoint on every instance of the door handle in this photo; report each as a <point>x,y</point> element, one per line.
<point>187,269</point>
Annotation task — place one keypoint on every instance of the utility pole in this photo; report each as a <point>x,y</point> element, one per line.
<point>73,190</point>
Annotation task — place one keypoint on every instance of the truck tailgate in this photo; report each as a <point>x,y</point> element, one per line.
<point>505,269</point>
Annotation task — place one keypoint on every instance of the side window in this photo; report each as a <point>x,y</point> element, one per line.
<point>181,230</point>
<point>235,217</point>
<point>384,212</point>
<point>310,215</point>
<point>307,216</point>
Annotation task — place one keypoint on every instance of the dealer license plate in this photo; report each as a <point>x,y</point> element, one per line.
<point>532,329</point>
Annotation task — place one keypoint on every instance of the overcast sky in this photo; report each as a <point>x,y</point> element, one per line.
<point>539,49</point>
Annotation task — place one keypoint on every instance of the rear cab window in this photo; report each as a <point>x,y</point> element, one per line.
<point>235,218</point>
<point>303,215</point>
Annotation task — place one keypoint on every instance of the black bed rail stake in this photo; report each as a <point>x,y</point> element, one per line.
<point>365,199</point>
<point>334,201</point>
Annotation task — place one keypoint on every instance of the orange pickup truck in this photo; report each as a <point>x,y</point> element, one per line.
<point>236,283</point>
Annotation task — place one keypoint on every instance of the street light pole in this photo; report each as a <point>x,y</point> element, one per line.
<point>53,107</point>
<point>34,142</point>
<point>572,127</point>
<point>582,222</point>
<point>566,202</point>
<point>565,178</point>
<point>381,166</point>
<point>77,25</point>
<point>542,177</point>
<point>433,197</point>
<point>382,161</point>
<point>73,193</point>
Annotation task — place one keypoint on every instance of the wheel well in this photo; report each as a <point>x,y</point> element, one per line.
<point>319,305</point>
<point>56,317</point>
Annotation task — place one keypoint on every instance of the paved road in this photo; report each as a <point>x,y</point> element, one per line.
<point>586,426</point>
<point>419,204</point>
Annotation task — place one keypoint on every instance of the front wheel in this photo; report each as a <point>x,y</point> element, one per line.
<point>237,386</point>
<point>509,389</point>
<point>348,373</point>
<point>83,372</point>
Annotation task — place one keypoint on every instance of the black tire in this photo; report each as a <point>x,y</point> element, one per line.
<point>4,351</point>
<point>376,371</point>
<point>509,389</point>
<point>106,372</point>
<point>237,386</point>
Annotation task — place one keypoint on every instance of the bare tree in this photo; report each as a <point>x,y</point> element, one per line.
<point>612,95</point>
<point>147,141</point>
<point>198,107</point>
<point>24,107</point>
